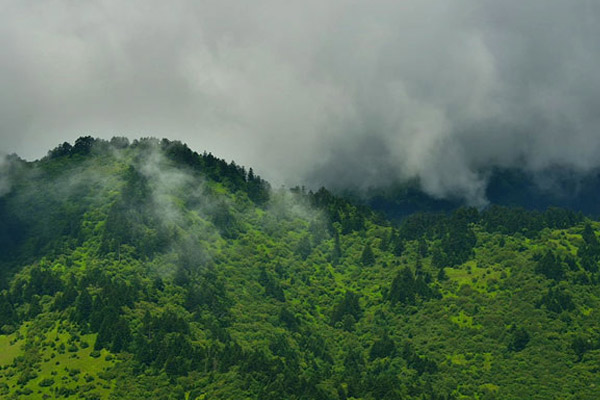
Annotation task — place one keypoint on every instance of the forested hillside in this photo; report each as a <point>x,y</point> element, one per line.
<point>145,270</point>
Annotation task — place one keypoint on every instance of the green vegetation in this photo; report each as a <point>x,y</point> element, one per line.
<point>145,270</point>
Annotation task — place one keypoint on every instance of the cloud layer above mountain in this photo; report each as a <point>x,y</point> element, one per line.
<point>324,92</point>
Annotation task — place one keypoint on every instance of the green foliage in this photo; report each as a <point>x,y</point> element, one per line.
<point>347,310</point>
<point>272,287</point>
<point>145,270</point>
<point>557,300</point>
<point>519,337</point>
<point>418,363</point>
<point>384,347</point>
<point>337,249</point>
<point>304,247</point>
<point>83,306</point>
<point>589,253</point>
<point>550,267</point>
<point>589,237</point>
<point>406,288</point>
<point>367,258</point>
<point>350,217</point>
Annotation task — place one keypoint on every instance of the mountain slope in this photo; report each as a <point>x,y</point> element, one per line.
<point>145,270</point>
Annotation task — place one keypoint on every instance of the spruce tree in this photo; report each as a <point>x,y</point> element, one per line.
<point>367,257</point>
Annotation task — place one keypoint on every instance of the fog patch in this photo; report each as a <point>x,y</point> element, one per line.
<point>5,180</point>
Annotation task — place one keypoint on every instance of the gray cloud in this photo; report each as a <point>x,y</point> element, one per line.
<point>323,92</point>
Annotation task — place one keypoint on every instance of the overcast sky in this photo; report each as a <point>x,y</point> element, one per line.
<point>313,91</point>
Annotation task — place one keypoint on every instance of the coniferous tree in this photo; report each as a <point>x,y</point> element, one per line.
<point>304,247</point>
<point>589,236</point>
<point>383,347</point>
<point>518,339</point>
<point>336,253</point>
<point>8,315</point>
<point>438,258</point>
<point>550,266</point>
<point>83,306</point>
<point>65,298</point>
<point>589,253</point>
<point>97,313</point>
<point>557,300</point>
<point>423,248</point>
<point>349,305</point>
<point>367,258</point>
<point>442,276</point>
<point>121,335</point>
<point>403,288</point>
<point>385,241</point>
<point>34,307</point>
<point>399,247</point>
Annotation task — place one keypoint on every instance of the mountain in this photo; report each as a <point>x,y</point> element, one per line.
<point>146,270</point>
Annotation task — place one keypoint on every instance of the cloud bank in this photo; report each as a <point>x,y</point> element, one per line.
<point>324,92</point>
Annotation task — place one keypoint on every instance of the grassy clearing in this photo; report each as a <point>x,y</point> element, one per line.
<point>465,321</point>
<point>9,349</point>
<point>483,280</point>
<point>66,367</point>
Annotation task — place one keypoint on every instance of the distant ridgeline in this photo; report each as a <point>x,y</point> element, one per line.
<point>143,269</point>
<point>554,187</point>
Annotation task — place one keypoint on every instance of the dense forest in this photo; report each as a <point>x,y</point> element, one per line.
<point>132,270</point>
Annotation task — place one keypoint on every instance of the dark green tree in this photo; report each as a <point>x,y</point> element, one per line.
<point>383,347</point>
<point>589,237</point>
<point>349,305</point>
<point>121,335</point>
<point>550,266</point>
<point>367,258</point>
<point>8,315</point>
<point>519,338</point>
<point>304,247</point>
<point>557,300</point>
<point>336,253</point>
<point>83,307</point>
<point>399,246</point>
<point>581,345</point>
<point>403,288</point>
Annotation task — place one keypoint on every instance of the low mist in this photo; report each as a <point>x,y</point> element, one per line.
<point>5,183</point>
